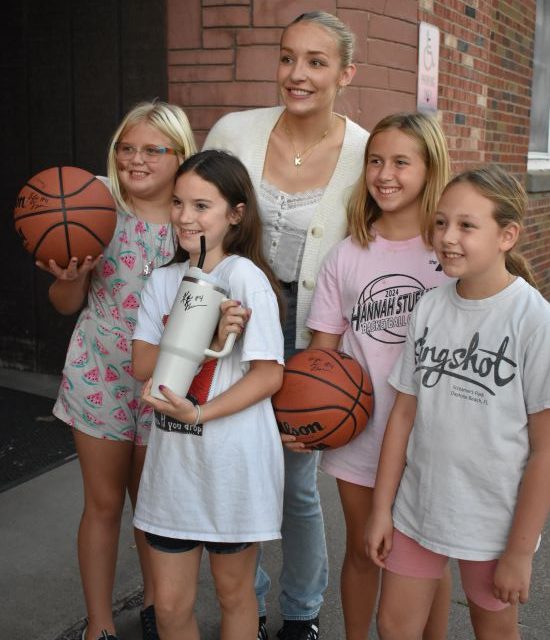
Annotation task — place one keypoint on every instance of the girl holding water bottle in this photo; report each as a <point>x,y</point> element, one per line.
<point>213,476</point>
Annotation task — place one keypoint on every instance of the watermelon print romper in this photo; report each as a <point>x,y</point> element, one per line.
<point>98,394</point>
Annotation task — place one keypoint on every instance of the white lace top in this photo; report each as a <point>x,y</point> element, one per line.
<point>246,134</point>
<point>286,218</point>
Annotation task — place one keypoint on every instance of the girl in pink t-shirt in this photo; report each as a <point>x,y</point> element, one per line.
<point>366,290</point>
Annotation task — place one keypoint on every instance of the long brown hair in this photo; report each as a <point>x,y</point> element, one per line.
<point>229,175</point>
<point>363,211</point>
<point>510,204</point>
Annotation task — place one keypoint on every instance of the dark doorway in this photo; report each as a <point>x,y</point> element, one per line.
<point>69,71</point>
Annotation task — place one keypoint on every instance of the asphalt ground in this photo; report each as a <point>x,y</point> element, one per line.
<point>33,441</point>
<point>39,579</point>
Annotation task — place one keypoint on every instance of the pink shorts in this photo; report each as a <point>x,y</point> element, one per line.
<point>408,558</point>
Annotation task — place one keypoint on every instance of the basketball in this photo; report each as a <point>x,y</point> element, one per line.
<point>326,398</point>
<point>64,212</point>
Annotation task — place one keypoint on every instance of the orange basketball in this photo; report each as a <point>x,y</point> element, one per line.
<point>64,212</point>
<point>326,398</point>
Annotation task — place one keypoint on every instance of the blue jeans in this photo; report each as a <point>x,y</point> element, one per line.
<point>304,574</point>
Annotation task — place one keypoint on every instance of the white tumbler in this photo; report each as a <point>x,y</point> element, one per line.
<point>188,333</point>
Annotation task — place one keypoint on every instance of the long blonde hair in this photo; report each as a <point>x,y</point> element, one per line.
<point>362,209</point>
<point>169,119</point>
<point>510,204</point>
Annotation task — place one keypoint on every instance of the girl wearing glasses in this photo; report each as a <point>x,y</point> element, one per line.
<point>98,396</point>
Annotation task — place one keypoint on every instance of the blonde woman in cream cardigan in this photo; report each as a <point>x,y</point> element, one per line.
<point>303,159</point>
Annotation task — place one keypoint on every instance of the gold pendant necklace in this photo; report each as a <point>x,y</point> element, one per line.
<point>301,156</point>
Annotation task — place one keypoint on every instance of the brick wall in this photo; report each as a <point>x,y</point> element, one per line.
<point>223,57</point>
<point>485,78</point>
<point>536,242</point>
<point>485,74</point>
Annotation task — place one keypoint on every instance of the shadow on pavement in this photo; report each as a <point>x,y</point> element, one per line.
<point>33,440</point>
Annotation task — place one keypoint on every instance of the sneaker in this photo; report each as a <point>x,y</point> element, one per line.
<point>104,635</point>
<point>262,628</point>
<point>148,623</point>
<point>299,630</point>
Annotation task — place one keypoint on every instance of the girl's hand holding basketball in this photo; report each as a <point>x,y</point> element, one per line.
<point>379,537</point>
<point>73,271</point>
<point>292,444</point>
<point>69,290</point>
<point>174,406</point>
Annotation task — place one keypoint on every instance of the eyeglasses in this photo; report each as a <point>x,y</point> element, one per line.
<point>149,153</point>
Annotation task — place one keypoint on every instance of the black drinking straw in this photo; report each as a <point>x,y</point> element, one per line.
<point>203,253</point>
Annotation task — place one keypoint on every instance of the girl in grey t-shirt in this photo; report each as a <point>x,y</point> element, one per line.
<point>467,446</point>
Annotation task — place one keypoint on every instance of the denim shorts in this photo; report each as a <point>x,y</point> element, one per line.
<point>175,545</point>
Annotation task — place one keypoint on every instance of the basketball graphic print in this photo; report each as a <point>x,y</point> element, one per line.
<point>383,308</point>
<point>64,212</point>
<point>326,398</point>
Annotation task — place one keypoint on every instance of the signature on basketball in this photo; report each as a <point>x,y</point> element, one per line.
<point>35,201</point>
<point>318,364</point>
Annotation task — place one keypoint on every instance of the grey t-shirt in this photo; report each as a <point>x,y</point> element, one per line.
<point>478,368</point>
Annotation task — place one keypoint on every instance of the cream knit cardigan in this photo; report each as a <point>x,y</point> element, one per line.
<point>246,135</point>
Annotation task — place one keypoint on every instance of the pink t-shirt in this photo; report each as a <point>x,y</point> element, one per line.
<point>367,296</point>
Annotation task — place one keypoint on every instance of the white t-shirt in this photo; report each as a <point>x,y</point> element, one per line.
<point>367,295</point>
<point>221,482</point>
<point>478,368</point>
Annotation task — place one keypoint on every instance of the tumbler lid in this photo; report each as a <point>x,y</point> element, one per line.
<point>197,276</point>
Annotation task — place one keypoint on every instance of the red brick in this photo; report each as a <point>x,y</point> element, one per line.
<point>390,54</point>
<point>394,30</point>
<point>403,9</point>
<point>379,103</point>
<point>247,37</point>
<point>183,13</point>
<point>402,81</point>
<point>237,94</point>
<point>200,73</point>
<point>257,63</point>
<point>218,38</point>
<point>373,6</point>
<point>200,56</point>
<point>225,16</point>
<point>267,13</point>
<point>205,117</point>
<point>369,75</point>
<point>358,22</point>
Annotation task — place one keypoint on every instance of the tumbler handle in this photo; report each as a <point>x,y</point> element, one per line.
<point>227,347</point>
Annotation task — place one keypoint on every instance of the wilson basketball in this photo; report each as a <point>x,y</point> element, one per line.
<point>64,212</point>
<point>326,398</point>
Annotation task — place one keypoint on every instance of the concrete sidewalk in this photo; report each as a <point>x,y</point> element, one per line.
<point>40,584</point>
